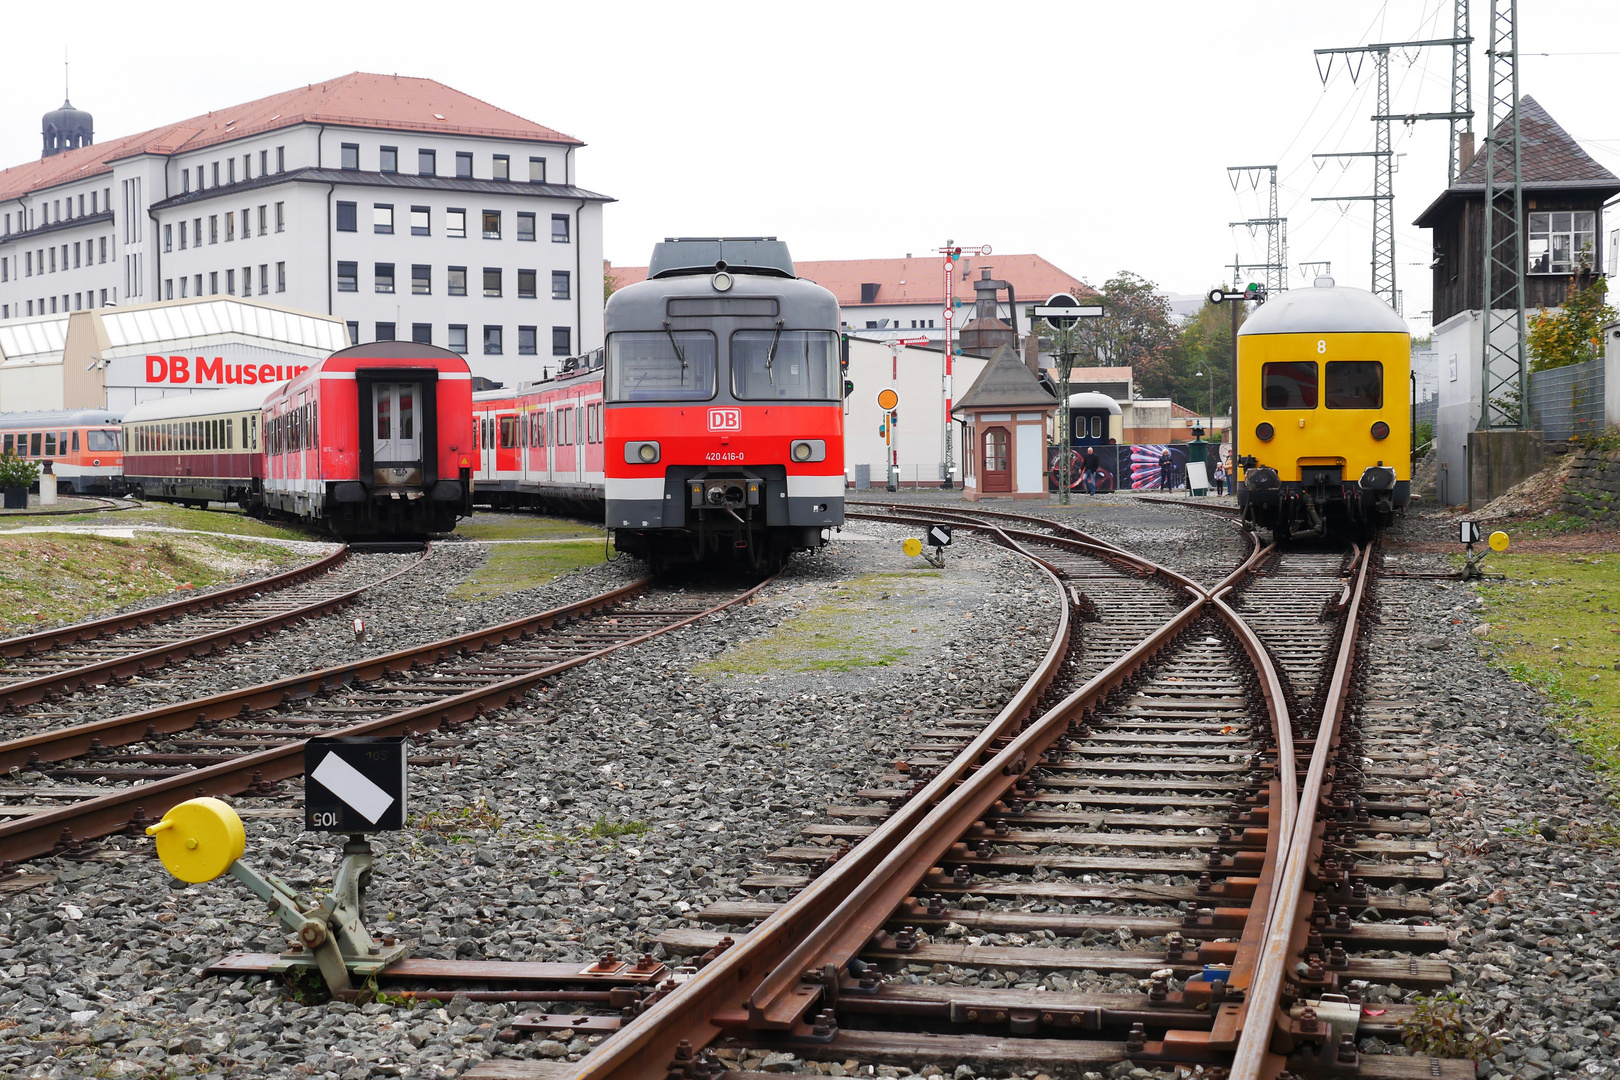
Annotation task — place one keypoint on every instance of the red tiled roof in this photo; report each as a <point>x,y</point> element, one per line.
<point>358,99</point>
<point>918,281</point>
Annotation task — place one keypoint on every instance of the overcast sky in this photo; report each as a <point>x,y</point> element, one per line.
<point>1096,135</point>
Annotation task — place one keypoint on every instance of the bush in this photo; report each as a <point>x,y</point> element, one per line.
<point>1423,435</point>
<point>16,472</point>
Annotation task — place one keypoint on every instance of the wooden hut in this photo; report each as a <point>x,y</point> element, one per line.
<point>1006,415</point>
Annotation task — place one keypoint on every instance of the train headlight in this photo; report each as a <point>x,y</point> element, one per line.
<point>1265,432</point>
<point>1380,431</point>
<point>721,282</point>
<point>804,450</point>
<point>641,453</point>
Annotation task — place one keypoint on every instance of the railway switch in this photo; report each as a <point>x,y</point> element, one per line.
<point>203,839</point>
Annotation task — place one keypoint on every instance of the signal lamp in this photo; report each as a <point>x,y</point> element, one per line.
<point>801,451</point>
<point>648,453</point>
<point>1380,430</point>
<point>1265,432</point>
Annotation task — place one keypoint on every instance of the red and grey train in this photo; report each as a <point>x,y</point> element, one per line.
<point>374,440</point>
<point>712,429</point>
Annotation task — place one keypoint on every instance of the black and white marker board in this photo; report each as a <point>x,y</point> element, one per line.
<point>354,785</point>
<point>939,536</point>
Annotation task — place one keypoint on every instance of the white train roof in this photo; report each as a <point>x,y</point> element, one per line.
<point>209,403</point>
<point>1325,308</point>
<point>1091,399</point>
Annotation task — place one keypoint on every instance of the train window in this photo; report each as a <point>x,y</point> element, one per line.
<point>1354,384</point>
<point>34,443</point>
<point>100,441</point>
<point>1290,385</point>
<point>1096,427</point>
<point>508,432</point>
<point>50,444</point>
<point>668,365</point>
<point>801,364</point>
<point>10,446</point>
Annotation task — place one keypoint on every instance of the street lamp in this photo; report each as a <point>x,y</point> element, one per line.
<point>1198,375</point>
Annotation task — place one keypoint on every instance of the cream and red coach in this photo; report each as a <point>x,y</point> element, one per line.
<point>372,440</point>
<point>724,415</point>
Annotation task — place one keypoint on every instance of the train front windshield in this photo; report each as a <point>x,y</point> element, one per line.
<point>799,364</point>
<point>100,441</point>
<point>661,366</point>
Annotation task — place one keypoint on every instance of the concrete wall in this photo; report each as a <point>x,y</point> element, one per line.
<point>1500,459</point>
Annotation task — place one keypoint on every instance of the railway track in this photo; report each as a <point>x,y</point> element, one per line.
<point>1180,844</point>
<point>72,785</point>
<point>46,666</point>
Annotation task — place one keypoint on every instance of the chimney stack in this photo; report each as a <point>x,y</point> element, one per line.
<point>1465,151</point>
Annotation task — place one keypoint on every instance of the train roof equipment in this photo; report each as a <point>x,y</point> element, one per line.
<point>1327,308</point>
<point>710,254</point>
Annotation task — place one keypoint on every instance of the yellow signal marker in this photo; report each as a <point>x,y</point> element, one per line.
<point>198,840</point>
<point>887,399</point>
<point>1499,541</point>
<point>912,546</point>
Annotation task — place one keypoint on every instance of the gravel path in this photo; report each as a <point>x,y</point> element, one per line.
<point>631,791</point>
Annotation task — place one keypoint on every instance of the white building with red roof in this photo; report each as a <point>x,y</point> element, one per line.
<point>401,206</point>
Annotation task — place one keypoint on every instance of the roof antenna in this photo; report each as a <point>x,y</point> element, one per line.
<point>66,97</point>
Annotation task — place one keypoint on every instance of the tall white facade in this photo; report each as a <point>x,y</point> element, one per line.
<point>462,227</point>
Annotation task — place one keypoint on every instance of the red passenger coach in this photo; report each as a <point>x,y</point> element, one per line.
<point>373,440</point>
<point>542,445</point>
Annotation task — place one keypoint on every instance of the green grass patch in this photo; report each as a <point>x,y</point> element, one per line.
<point>525,527</point>
<point>514,567</point>
<point>1551,525</point>
<point>1555,624</point>
<point>230,522</point>
<point>52,578</point>
<point>605,829</point>
<point>866,624</point>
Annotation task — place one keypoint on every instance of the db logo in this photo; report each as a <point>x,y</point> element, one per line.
<point>725,419</point>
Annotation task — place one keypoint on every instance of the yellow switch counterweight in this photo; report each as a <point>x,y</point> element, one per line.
<point>199,839</point>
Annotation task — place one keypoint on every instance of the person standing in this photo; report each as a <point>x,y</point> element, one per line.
<point>1164,469</point>
<point>1220,477</point>
<point>1090,465</point>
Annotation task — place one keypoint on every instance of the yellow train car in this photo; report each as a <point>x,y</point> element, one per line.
<point>1324,411</point>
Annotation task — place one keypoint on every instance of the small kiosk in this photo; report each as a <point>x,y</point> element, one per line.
<point>1006,416</point>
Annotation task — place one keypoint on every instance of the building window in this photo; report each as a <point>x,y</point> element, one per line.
<point>348,277</point>
<point>463,166</point>
<point>216,173</point>
<point>492,341</point>
<point>183,291</point>
<point>537,170</point>
<point>527,338</point>
<point>185,189</point>
<point>281,216</point>
<point>427,163</point>
<point>382,218</point>
<point>421,221</point>
<point>230,226</point>
<point>247,166</point>
<point>168,288</point>
<point>264,279</point>
<point>281,159</point>
<point>213,283</point>
<point>385,332</point>
<point>456,283</point>
<point>281,277</point>
<point>264,162</point>
<point>103,249</point>
<point>247,281</point>
<point>525,227</point>
<point>388,159</point>
<point>230,282</point>
<point>168,237</point>
<point>354,333</point>
<point>346,217</point>
<point>422,333</point>
<point>264,219</point>
<point>526,284</point>
<point>559,228</point>
<point>230,171</point>
<point>1562,242</point>
<point>559,285</point>
<point>213,228</point>
<point>492,281</point>
<point>455,224</point>
<point>351,155</point>
<point>421,280</point>
<point>502,169</point>
<point>492,224</point>
<point>197,289</point>
<point>561,339</point>
<point>384,276</point>
<point>457,340</point>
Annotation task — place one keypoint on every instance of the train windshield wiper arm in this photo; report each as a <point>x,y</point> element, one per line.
<point>675,345</point>
<point>770,353</point>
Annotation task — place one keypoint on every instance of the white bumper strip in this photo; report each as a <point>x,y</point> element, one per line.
<point>638,489</point>
<point>816,487</point>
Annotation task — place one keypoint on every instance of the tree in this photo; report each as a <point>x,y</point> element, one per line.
<point>1136,328</point>
<point>610,285</point>
<point>1203,348</point>
<point>1572,334</point>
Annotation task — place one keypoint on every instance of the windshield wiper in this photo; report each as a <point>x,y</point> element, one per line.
<point>770,353</point>
<point>676,346</point>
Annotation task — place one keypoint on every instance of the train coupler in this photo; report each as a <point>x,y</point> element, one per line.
<point>203,839</point>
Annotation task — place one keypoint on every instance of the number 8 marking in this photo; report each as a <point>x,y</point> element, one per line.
<point>1321,346</point>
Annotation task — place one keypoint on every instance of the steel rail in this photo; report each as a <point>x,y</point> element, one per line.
<point>1254,1058</point>
<point>30,837</point>
<point>25,644</point>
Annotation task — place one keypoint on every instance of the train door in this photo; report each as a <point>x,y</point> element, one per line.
<point>396,423</point>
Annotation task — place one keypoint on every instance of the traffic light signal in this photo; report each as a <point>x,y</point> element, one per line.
<point>894,417</point>
<point>883,429</point>
<point>849,387</point>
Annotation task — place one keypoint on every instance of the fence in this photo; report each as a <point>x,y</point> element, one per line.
<point>1568,400</point>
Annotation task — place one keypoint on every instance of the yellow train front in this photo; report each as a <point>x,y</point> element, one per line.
<point>1324,411</point>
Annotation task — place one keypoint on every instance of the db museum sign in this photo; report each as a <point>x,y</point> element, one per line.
<point>140,377</point>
